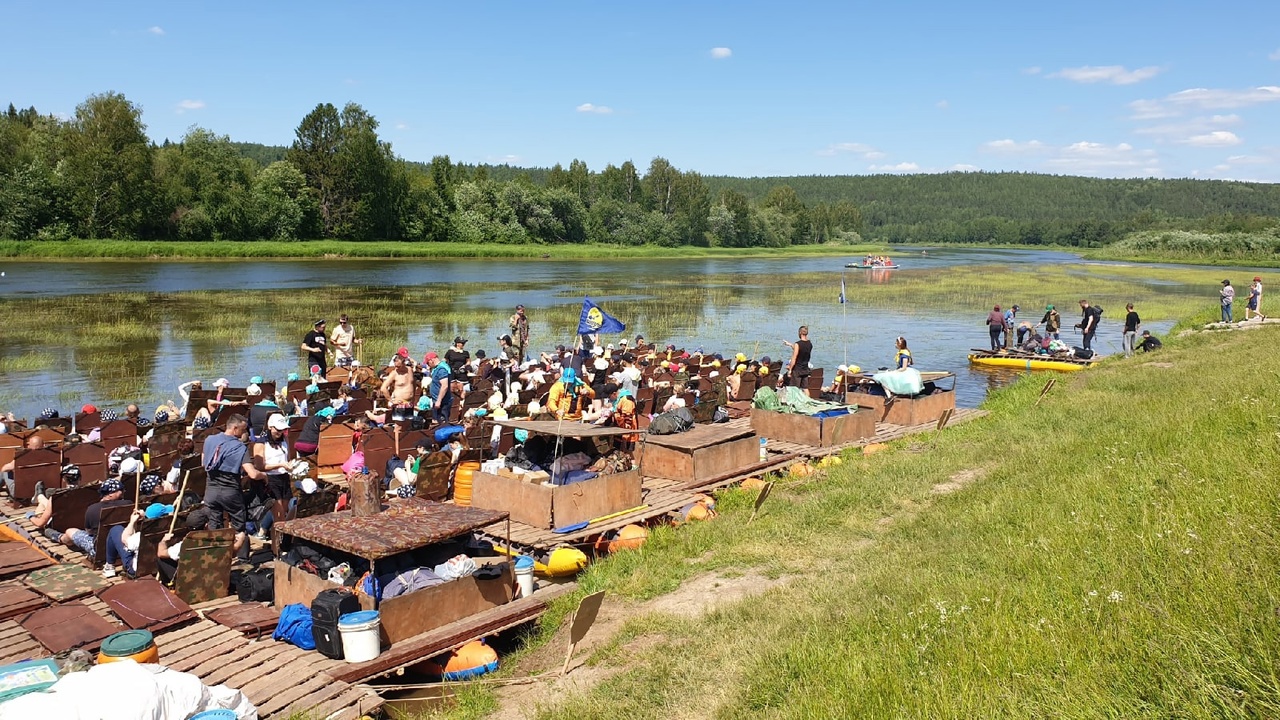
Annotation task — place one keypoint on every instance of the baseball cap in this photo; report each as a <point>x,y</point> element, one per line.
<point>1226,282</point>
<point>403,352</point>
<point>1257,278</point>
<point>459,340</point>
<point>130,466</point>
<point>221,383</point>
<point>277,422</point>
<point>519,307</point>
<point>597,350</point>
<point>318,322</point>
<point>88,408</point>
<point>255,380</point>
<point>429,357</point>
<point>253,389</point>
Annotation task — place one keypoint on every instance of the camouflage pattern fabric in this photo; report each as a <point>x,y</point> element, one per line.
<point>204,566</point>
<point>65,582</point>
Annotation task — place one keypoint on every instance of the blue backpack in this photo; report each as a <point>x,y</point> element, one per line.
<point>445,433</point>
<point>295,626</point>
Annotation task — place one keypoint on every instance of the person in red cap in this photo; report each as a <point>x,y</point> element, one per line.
<point>88,408</point>
<point>438,389</point>
<point>1254,306</point>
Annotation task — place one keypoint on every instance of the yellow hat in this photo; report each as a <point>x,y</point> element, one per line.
<point>666,364</point>
<point>854,370</point>
<point>764,370</point>
<point>740,357</point>
<point>715,363</point>
<point>740,369</point>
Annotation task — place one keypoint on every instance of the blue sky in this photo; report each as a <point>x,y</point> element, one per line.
<point>1111,89</point>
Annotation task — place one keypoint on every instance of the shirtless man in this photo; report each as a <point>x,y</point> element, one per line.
<point>397,387</point>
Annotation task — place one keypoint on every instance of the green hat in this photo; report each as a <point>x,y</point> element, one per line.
<point>1047,308</point>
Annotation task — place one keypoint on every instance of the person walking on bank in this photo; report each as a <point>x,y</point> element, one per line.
<point>519,324</point>
<point>1052,322</point>
<point>1131,323</point>
<point>801,351</point>
<point>315,345</point>
<point>1255,300</point>
<point>1089,323</point>
<point>995,327</point>
<point>1228,296</point>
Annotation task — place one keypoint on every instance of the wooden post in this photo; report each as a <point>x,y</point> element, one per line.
<point>137,489</point>
<point>583,618</point>
<point>760,498</point>
<point>943,419</point>
<point>366,497</point>
<point>177,505</point>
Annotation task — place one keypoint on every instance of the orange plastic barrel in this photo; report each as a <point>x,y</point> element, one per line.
<point>136,645</point>
<point>462,482</point>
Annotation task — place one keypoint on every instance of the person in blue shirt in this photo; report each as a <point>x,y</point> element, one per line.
<point>1010,319</point>
<point>438,390</point>
<point>225,459</point>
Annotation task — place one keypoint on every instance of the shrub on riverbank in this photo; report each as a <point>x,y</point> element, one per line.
<point>1260,248</point>
<point>1109,552</point>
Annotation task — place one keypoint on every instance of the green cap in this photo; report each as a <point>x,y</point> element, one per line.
<point>1048,308</point>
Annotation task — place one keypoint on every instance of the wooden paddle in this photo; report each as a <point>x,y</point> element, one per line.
<point>760,498</point>
<point>177,505</point>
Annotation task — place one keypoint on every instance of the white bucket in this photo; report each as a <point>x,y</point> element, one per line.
<point>360,635</point>
<point>524,575</point>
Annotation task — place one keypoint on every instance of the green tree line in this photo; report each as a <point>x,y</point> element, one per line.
<point>98,175</point>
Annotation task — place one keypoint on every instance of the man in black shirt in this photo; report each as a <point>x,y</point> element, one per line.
<point>1090,316</point>
<point>800,353</point>
<point>315,344</point>
<point>1131,323</point>
<point>1149,342</point>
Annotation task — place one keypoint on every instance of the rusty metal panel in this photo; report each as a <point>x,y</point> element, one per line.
<point>406,525</point>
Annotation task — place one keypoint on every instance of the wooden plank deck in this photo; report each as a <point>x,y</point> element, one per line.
<point>885,432</point>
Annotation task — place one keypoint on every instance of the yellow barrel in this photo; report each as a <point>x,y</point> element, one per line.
<point>462,482</point>
<point>136,645</point>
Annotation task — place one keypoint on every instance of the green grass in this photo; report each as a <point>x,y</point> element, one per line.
<point>1116,556</point>
<point>1249,249</point>
<point>333,249</point>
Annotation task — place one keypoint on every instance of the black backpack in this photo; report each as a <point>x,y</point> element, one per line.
<point>670,423</point>
<point>257,585</point>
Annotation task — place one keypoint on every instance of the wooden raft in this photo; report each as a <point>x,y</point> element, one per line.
<point>885,432</point>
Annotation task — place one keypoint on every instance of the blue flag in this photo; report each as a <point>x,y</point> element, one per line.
<point>595,320</point>
<point>841,289</point>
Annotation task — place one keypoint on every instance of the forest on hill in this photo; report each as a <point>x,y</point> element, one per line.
<point>98,175</point>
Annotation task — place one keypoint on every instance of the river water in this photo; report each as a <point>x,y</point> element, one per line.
<point>112,332</point>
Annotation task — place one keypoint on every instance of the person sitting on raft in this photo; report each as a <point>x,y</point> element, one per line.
<point>569,396</point>
<point>902,360</point>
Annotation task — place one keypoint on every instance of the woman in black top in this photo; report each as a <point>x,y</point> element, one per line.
<point>800,352</point>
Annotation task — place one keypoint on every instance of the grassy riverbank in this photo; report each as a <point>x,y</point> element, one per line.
<point>1112,551</point>
<point>336,249</point>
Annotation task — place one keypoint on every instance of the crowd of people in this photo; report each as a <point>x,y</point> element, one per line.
<point>1008,333</point>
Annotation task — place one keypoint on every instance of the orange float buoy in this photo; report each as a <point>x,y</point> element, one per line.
<point>752,483</point>
<point>462,482</point>
<point>631,537</point>
<point>800,469</point>
<point>471,660</point>
<point>873,448</point>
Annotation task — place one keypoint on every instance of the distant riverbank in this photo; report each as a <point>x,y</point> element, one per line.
<point>337,249</point>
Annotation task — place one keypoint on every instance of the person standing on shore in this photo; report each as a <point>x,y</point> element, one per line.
<point>520,331</point>
<point>315,344</point>
<point>1088,323</point>
<point>1131,323</point>
<point>1010,319</point>
<point>995,327</point>
<point>1228,297</point>
<point>1254,307</point>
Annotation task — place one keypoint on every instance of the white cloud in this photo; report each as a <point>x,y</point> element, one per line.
<point>1203,99</point>
<point>1009,145</point>
<point>1114,74</point>
<point>942,104</point>
<point>1217,138</point>
<point>902,167</point>
<point>1180,131</point>
<point>1274,56</point>
<point>186,105</point>
<point>595,109</point>
<point>847,148</point>
<point>155,30</point>
<point>720,53</point>
<point>1033,70</point>
<point>402,126</point>
<point>1091,158</point>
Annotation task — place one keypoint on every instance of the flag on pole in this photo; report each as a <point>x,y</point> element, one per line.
<point>595,320</point>
<point>841,289</point>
